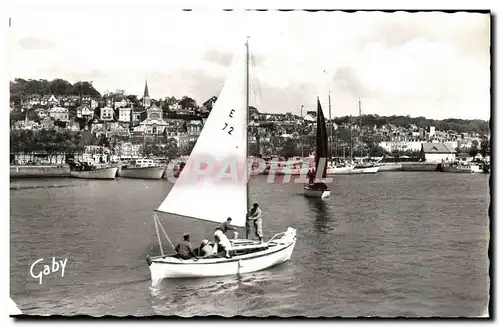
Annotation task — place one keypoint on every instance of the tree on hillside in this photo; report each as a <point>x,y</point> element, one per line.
<point>186,150</point>
<point>133,98</point>
<point>60,123</point>
<point>61,87</point>
<point>376,151</point>
<point>20,88</point>
<point>171,150</point>
<point>84,88</point>
<point>117,94</point>
<point>188,103</point>
<point>289,149</point>
<point>103,140</point>
<point>473,151</point>
<point>253,149</point>
<point>485,147</point>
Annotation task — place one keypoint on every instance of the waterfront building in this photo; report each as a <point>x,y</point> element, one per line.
<point>438,152</point>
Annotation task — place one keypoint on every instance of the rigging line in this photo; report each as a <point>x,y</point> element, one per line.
<point>158,234</point>
<point>164,233</point>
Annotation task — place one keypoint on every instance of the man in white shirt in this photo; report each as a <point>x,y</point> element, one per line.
<point>255,214</point>
<point>222,242</point>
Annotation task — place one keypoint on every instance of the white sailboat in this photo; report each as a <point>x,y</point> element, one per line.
<point>224,137</point>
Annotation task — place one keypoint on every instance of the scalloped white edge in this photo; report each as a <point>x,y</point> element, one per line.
<point>13,308</point>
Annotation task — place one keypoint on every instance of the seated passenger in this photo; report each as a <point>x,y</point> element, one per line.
<point>205,249</point>
<point>184,249</point>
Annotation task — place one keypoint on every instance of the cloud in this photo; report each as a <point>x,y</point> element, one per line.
<point>33,43</point>
<point>195,83</point>
<point>221,58</point>
<point>347,79</point>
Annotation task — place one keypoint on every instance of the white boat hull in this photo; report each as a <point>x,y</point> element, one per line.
<point>142,172</point>
<point>370,170</point>
<point>339,170</point>
<point>101,173</point>
<point>279,251</point>
<point>309,192</point>
<point>468,170</point>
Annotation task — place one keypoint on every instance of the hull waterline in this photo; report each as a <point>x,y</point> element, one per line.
<point>339,171</point>
<point>316,193</point>
<point>370,170</point>
<point>101,173</point>
<point>142,172</point>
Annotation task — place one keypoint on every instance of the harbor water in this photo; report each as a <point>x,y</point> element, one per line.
<point>390,244</point>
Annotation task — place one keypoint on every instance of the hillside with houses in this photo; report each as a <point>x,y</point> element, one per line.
<point>60,117</point>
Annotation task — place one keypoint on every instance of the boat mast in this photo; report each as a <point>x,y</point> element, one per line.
<point>360,128</point>
<point>330,121</point>
<point>247,99</point>
<point>301,137</point>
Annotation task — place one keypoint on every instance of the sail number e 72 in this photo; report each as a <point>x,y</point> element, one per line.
<point>229,129</point>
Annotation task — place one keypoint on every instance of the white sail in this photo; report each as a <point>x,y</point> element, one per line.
<point>223,141</point>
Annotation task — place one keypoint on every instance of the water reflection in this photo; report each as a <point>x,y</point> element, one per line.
<point>227,295</point>
<point>321,213</point>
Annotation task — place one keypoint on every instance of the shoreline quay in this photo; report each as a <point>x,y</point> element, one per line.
<point>26,171</point>
<point>50,171</point>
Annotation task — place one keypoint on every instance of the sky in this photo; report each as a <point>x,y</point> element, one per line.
<point>429,64</point>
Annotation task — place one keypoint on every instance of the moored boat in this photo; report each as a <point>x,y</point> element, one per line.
<point>364,168</point>
<point>142,169</point>
<point>89,171</point>
<point>455,167</point>
<point>340,169</point>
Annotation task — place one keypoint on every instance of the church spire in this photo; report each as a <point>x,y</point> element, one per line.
<point>146,91</point>
<point>146,100</point>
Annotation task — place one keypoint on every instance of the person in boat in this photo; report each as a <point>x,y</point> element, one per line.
<point>205,249</point>
<point>184,249</point>
<point>256,216</point>
<point>225,226</point>
<point>311,174</point>
<point>223,243</point>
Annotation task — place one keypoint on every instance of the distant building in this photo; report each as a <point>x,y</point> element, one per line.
<point>85,99</point>
<point>34,99</point>
<point>432,131</point>
<point>94,104</point>
<point>52,100</point>
<point>84,111</point>
<point>42,113</point>
<point>107,114</point>
<point>438,152</point>
<point>47,122</point>
<point>310,116</point>
<point>59,113</point>
<point>124,115</point>
<point>154,123</point>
